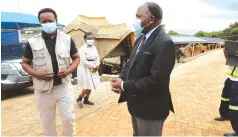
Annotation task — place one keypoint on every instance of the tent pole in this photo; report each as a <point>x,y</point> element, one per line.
<point>18,26</point>
<point>19,35</point>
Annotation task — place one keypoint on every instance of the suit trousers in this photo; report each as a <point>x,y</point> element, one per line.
<point>63,97</point>
<point>143,127</point>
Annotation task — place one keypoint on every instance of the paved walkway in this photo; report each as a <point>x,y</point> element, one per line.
<point>20,117</point>
<point>195,87</point>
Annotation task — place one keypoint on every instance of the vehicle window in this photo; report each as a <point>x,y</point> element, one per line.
<point>12,50</point>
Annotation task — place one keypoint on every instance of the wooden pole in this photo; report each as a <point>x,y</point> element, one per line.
<point>193,50</point>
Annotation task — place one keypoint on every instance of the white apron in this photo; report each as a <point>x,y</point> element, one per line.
<point>89,58</point>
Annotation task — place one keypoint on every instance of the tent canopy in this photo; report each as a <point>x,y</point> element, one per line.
<point>13,20</point>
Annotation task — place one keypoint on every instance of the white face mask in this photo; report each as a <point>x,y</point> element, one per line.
<point>89,42</point>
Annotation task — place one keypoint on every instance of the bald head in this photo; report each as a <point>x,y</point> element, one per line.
<point>150,15</point>
<point>155,10</point>
<point>150,8</point>
<point>142,11</point>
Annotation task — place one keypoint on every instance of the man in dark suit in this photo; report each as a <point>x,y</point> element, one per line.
<point>144,82</point>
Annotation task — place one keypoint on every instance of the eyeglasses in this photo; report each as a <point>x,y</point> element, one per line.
<point>147,17</point>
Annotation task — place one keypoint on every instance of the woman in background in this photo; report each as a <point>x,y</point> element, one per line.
<point>88,77</point>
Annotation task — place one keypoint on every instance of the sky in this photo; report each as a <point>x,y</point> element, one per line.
<point>183,16</point>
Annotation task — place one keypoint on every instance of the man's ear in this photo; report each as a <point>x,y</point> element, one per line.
<point>152,20</point>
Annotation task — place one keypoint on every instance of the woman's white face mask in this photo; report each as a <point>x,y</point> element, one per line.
<point>89,42</point>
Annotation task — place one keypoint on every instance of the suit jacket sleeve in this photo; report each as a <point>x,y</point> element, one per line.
<point>161,69</point>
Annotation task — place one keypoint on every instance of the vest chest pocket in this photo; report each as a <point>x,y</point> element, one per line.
<point>39,64</point>
<point>64,60</point>
<point>38,56</point>
<point>38,52</point>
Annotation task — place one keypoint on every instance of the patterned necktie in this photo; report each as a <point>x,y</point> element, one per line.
<point>141,44</point>
<point>137,51</point>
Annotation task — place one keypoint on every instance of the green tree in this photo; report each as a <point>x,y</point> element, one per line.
<point>200,34</point>
<point>215,34</point>
<point>228,31</point>
<point>171,32</point>
<point>234,31</point>
<point>233,25</point>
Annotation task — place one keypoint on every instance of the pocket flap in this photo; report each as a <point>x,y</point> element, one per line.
<point>146,53</point>
<point>40,63</point>
<point>64,55</point>
<point>38,47</point>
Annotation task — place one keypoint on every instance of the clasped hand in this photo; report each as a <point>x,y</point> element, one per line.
<point>45,75</point>
<point>116,85</point>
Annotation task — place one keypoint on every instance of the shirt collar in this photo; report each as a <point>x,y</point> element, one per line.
<point>150,32</point>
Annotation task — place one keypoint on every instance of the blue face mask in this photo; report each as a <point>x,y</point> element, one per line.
<point>49,27</point>
<point>137,26</point>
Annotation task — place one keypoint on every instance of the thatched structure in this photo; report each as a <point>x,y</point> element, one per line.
<point>110,40</point>
<point>188,50</point>
<point>198,48</point>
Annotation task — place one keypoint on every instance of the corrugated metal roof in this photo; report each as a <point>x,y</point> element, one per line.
<point>191,39</point>
<point>213,40</point>
<point>186,40</point>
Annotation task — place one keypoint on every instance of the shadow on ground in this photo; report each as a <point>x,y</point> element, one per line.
<point>16,93</point>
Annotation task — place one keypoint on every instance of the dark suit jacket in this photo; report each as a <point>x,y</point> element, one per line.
<point>146,83</point>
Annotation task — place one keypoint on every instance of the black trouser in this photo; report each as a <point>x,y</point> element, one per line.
<point>224,106</point>
<point>233,106</point>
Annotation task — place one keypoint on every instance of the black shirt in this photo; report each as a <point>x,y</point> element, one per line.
<point>50,44</point>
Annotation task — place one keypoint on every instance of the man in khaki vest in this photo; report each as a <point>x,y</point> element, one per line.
<point>50,54</point>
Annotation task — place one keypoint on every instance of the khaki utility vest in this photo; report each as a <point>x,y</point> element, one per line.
<point>42,59</point>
